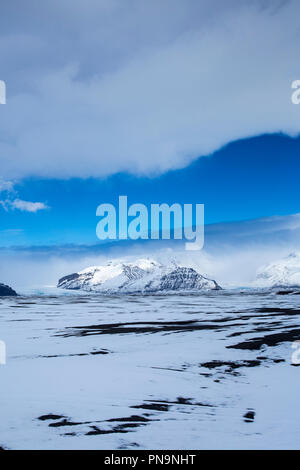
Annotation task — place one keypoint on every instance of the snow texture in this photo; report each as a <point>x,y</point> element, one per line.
<point>213,370</point>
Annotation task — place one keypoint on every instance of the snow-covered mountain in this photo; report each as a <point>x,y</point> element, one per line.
<point>284,272</point>
<point>141,275</point>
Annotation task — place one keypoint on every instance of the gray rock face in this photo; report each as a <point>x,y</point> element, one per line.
<point>140,276</point>
<point>182,279</point>
<point>66,281</point>
<point>6,290</point>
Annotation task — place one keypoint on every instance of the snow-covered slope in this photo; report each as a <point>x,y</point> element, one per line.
<point>284,272</point>
<point>141,275</point>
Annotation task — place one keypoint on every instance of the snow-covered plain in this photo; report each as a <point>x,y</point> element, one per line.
<point>207,371</point>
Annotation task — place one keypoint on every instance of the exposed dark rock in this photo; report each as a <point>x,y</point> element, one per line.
<point>249,416</point>
<point>268,340</point>
<point>6,290</point>
<point>285,292</point>
<point>66,279</point>
<point>139,328</point>
<point>230,365</point>
<point>64,422</point>
<point>153,406</point>
<point>182,278</point>
<point>50,416</point>
<point>132,418</point>
<point>121,428</point>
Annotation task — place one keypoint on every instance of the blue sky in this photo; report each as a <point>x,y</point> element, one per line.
<point>247,179</point>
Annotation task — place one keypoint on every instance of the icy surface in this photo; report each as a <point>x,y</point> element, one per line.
<point>142,275</point>
<point>206,371</point>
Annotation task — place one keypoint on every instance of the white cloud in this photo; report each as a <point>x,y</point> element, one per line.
<point>6,186</point>
<point>11,203</point>
<point>142,86</point>
<point>25,206</point>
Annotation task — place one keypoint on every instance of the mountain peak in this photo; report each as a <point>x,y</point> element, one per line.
<point>283,272</point>
<point>139,276</point>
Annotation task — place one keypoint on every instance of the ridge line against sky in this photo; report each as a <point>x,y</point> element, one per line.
<point>100,87</point>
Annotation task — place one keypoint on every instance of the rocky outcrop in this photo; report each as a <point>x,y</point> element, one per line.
<point>181,279</point>
<point>6,290</point>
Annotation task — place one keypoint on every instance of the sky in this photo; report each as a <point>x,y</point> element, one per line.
<point>97,87</point>
<point>162,101</point>
<point>247,179</point>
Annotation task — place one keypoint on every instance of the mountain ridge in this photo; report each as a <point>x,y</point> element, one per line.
<point>284,272</point>
<point>143,275</point>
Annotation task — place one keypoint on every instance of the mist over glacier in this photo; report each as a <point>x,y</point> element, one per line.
<point>232,254</point>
